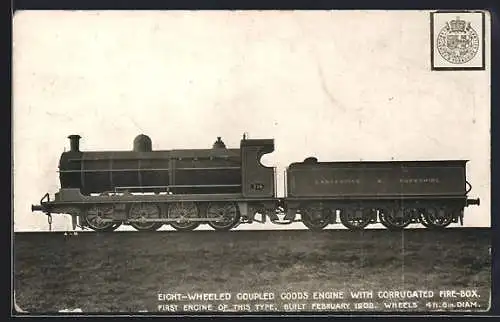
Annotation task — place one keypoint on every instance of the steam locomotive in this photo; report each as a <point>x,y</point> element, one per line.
<point>224,187</point>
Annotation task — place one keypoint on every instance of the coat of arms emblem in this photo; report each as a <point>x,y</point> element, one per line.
<point>457,41</point>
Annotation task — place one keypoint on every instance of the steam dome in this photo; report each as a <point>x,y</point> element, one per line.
<point>142,143</point>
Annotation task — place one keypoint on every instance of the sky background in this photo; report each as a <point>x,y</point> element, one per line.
<point>337,85</point>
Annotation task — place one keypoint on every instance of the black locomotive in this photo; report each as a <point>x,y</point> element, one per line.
<point>224,187</point>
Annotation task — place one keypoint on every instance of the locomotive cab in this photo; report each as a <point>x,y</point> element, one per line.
<point>258,180</point>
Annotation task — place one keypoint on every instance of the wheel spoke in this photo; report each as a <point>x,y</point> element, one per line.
<point>183,211</point>
<point>356,218</point>
<point>227,215</point>
<point>145,211</point>
<point>95,218</point>
<point>396,218</point>
<point>438,217</point>
<point>315,216</point>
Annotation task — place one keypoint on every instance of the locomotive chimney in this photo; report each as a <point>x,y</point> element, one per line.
<point>74,142</point>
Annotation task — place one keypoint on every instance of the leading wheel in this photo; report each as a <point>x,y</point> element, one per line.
<point>315,216</point>
<point>140,211</point>
<point>98,218</point>
<point>356,218</point>
<point>227,214</point>
<point>182,212</point>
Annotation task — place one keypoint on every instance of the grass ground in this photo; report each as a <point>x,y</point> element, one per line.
<point>124,272</point>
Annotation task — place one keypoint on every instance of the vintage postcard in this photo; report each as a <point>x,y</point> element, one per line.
<point>243,162</point>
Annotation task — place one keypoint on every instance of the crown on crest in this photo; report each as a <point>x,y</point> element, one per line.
<point>458,25</point>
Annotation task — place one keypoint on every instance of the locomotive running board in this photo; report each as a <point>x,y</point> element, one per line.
<point>73,196</point>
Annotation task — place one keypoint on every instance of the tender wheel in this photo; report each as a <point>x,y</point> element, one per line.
<point>315,216</point>
<point>228,213</point>
<point>145,211</point>
<point>182,211</point>
<point>395,218</point>
<point>423,219</point>
<point>357,218</point>
<point>438,218</point>
<point>95,216</point>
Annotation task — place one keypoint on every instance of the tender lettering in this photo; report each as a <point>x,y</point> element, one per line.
<point>419,180</point>
<point>336,181</point>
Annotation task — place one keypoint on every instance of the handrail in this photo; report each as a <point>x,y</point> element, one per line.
<point>179,186</point>
<point>275,188</point>
<point>148,169</point>
<point>45,196</point>
<point>469,185</point>
<point>284,184</point>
